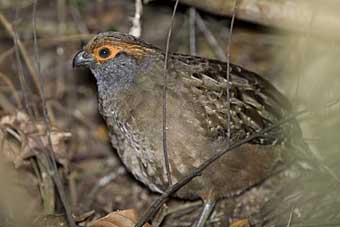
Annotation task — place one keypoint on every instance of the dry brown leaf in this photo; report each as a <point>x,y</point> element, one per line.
<point>122,218</point>
<point>241,223</point>
<point>33,137</point>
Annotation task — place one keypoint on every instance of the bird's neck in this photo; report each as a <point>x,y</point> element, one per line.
<point>144,89</point>
<point>116,104</point>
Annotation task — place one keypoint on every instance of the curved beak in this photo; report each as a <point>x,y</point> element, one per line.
<point>82,59</point>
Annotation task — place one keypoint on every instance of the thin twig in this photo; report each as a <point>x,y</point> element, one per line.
<point>52,165</point>
<point>136,28</point>
<point>75,114</point>
<point>5,54</point>
<point>64,39</point>
<point>19,63</point>
<point>10,85</point>
<point>61,17</point>
<point>41,87</point>
<point>165,73</point>
<point>6,104</point>
<point>336,224</point>
<point>290,219</point>
<point>210,38</point>
<point>8,27</point>
<point>177,209</point>
<point>288,14</point>
<point>149,214</point>
<point>228,68</point>
<point>49,42</point>
<point>192,30</point>
<point>78,20</point>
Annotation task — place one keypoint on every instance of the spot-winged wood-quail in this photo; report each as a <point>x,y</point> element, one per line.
<point>129,74</point>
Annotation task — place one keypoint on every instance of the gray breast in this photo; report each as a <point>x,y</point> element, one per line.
<point>135,152</point>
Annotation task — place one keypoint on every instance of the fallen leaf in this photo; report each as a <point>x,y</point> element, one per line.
<point>241,223</point>
<point>32,136</point>
<point>122,218</point>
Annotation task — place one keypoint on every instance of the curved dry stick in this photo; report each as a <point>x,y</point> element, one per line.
<point>165,71</point>
<point>48,42</point>
<point>50,156</point>
<point>21,75</point>
<point>9,83</point>
<point>8,27</point>
<point>192,30</point>
<point>284,14</point>
<point>5,54</point>
<point>209,36</point>
<point>228,68</point>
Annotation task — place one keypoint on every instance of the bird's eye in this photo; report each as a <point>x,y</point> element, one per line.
<point>104,52</point>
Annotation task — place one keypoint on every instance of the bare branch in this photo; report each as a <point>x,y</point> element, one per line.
<point>136,28</point>
<point>17,48</point>
<point>228,67</point>
<point>210,38</point>
<point>10,85</point>
<point>52,165</point>
<point>286,14</point>
<point>165,71</point>
<point>192,30</point>
<point>8,27</point>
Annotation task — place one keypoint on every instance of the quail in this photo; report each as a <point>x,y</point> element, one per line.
<point>206,111</point>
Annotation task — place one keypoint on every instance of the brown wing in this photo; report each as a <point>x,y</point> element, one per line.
<point>254,103</point>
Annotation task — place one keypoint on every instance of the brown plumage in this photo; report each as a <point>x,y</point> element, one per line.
<point>129,75</point>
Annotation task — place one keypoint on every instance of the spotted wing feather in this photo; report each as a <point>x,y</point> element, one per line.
<point>254,103</point>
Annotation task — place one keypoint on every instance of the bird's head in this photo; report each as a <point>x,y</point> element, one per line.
<point>114,58</point>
